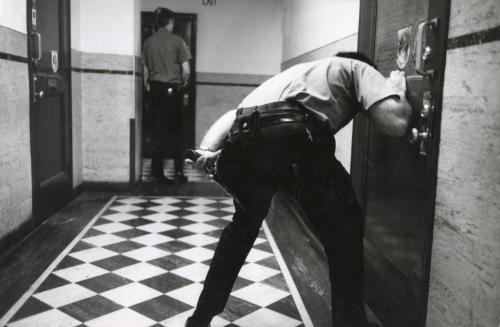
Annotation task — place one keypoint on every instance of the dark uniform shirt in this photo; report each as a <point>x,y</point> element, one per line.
<point>163,54</point>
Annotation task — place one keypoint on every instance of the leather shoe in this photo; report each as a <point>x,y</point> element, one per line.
<point>162,180</point>
<point>189,324</point>
<point>180,179</point>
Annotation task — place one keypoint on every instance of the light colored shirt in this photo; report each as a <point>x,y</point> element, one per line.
<point>163,54</point>
<point>333,87</point>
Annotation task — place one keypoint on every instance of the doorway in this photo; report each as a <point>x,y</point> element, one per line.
<point>50,105</point>
<point>185,27</point>
<point>395,179</point>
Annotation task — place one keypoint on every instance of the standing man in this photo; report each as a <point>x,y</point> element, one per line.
<point>166,72</point>
<point>292,119</point>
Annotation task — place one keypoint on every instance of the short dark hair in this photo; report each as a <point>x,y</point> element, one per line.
<point>357,56</point>
<point>164,16</point>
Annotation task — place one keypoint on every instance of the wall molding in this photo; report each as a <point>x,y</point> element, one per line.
<point>230,79</point>
<point>13,57</point>
<point>474,38</point>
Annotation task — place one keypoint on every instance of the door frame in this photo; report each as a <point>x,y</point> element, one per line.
<point>39,215</point>
<point>361,150</point>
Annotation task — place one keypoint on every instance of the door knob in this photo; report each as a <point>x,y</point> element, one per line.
<point>40,94</point>
<point>416,136</point>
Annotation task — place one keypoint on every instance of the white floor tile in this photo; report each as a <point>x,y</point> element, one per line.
<point>112,227</point>
<point>266,318</point>
<point>51,318</point>
<point>166,200</point>
<point>152,239</point>
<point>196,254</point>
<point>159,217</point>
<point>188,294</point>
<point>199,228</point>
<point>81,272</point>
<point>199,208</point>
<point>260,294</point>
<point>123,318</point>
<point>130,294</point>
<point>199,239</point>
<point>195,272</point>
<point>125,208</point>
<point>140,271</point>
<point>201,201</point>
<point>256,255</point>
<point>59,296</point>
<point>256,272</point>
<point>93,254</point>
<point>199,217</point>
<point>177,320</point>
<point>104,239</point>
<point>131,200</point>
<point>120,216</point>
<point>163,208</point>
<point>156,227</point>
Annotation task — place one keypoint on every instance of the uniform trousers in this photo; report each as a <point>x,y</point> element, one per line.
<point>253,174</point>
<point>166,109</point>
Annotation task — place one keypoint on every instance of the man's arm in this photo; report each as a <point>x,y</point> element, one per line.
<point>186,71</point>
<point>213,139</point>
<point>391,116</point>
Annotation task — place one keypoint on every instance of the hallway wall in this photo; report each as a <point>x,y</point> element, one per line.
<point>465,268</point>
<point>316,29</point>
<point>15,155</point>
<point>105,76</point>
<point>238,47</point>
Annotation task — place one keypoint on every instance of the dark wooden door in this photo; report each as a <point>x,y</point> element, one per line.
<point>185,27</point>
<point>396,178</point>
<point>49,72</point>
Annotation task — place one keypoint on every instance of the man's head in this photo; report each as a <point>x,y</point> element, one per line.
<point>357,56</point>
<point>165,18</point>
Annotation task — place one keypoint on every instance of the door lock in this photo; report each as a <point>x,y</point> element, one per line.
<point>425,122</point>
<point>416,136</point>
<point>424,48</point>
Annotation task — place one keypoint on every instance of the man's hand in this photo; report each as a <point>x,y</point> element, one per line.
<point>206,158</point>
<point>397,81</point>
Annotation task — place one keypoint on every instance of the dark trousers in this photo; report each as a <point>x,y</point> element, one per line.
<point>253,175</point>
<point>166,112</point>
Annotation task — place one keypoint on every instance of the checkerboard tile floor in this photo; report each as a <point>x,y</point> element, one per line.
<point>193,175</point>
<point>142,262</point>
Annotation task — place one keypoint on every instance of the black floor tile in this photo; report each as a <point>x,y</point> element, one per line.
<point>264,247</point>
<point>173,246</point>
<point>93,232</point>
<point>277,281</point>
<point>240,283</point>
<point>237,308</point>
<point>171,262</point>
<point>220,223</point>
<point>131,233</point>
<point>90,308</point>
<point>104,282</point>
<point>68,262</point>
<point>270,263</point>
<point>82,245</point>
<point>51,282</point>
<point>115,262</point>
<point>218,213</point>
<point>136,222</point>
<point>181,212</point>
<point>161,308</point>
<point>177,233</point>
<point>287,307</point>
<point>31,307</point>
<point>166,282</point>
<point>179,222</point>
<point>124,246</point>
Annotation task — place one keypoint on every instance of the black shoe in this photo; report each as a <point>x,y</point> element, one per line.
<point>180,179</point>
<point>163,180</point>
<point>190,323</point>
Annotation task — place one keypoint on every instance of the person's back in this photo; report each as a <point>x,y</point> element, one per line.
<point>162,55</point>
<point>334,87</point>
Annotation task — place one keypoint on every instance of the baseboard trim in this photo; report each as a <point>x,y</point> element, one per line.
<point>110,186</point>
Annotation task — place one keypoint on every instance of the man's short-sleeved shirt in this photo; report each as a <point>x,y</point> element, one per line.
<point>333,87</point>
<point>163,54</point>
